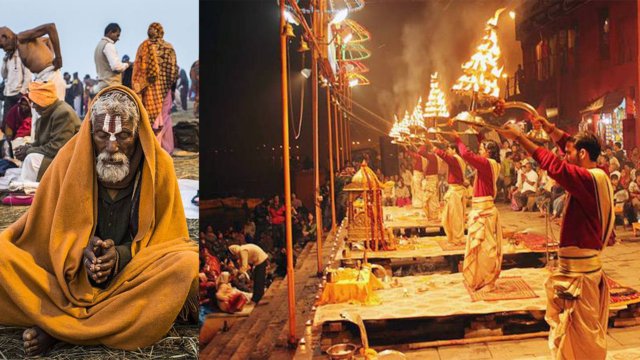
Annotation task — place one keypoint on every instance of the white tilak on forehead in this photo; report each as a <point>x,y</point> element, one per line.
<point>112,126</point>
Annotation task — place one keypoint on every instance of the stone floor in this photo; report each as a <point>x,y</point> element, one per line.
<point>622,344</point>
<point>619,261</point>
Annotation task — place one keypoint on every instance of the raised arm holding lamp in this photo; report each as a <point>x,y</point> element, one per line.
<point>578,285</point>
<point>483,252</point>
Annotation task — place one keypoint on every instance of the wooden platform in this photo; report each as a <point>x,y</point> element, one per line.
<point>430,252</point>
<point>443,295</point>
<point>426,247</point>
<point>428,310</point>
<point>407,218</point>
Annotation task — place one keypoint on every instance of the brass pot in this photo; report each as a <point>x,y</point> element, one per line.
<point>341,351</point>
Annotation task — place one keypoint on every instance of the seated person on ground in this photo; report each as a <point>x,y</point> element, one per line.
<point>18,121</point>
<point>310,229</point>
<point>230,299</point>
<point>103,256</point>
<point>58,122</point>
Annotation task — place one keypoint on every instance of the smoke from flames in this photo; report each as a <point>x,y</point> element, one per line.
<point>442,36</point>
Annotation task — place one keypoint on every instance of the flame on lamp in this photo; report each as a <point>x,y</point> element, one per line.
<point>416,119</point>
<point>481,72</point>
<point>395,129</point>
<point>403,126</point>
<point>436,105</point>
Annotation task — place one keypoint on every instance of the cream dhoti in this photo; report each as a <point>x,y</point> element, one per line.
<point>453,213</point>
<point>483,253</point>
<point>431,197</point>
<point>577,305</point>
<point>417,194</point>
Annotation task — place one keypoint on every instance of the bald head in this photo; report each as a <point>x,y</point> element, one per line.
<point>7,39</point>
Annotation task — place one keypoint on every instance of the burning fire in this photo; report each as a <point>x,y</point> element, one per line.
<point>436,106</point>
<point>400,129</point>
<point>416,120</point>
<point>481,73</point>
<point>395,129</point>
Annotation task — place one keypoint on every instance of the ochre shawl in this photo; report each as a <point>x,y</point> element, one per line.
<point>154,72</point>
<point>43,281</point>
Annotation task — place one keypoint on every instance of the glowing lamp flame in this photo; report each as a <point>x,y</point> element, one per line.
<point>481,73</point>
<point>436,106</point>
<point>395,129</point>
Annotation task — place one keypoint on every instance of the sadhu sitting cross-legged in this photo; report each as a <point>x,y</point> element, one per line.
<point>103,255</point>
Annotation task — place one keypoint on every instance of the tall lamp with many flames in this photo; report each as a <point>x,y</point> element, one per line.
<point>481,73</point>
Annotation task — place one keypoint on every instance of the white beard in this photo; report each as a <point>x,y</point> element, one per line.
<point>110,173</point>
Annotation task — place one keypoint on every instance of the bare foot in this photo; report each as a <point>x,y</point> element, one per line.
<point>37,341</point>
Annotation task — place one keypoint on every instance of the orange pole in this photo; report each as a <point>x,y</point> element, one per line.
<point>336,126</point>
<point>287,180</point>
<point>348,126</point>
<point>316,157</point>
<point>345,122</point>
<point>338,122</point>
<point>343,132</point>
<point>331,174</point>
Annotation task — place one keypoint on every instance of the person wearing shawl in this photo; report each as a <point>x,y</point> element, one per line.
<point>483,252</point>
<point>57,123</point>
<point>18,121</point>
<point>577,290</point>
<point>155,71</point>
<point>103,255</point>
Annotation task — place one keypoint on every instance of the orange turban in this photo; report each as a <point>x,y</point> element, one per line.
<point>43,93</point>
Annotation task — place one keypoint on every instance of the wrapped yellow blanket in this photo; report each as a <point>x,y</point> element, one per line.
<point>352,286</point>
<point>42,280</point>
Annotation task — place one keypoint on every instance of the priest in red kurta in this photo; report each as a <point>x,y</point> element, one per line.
<point>417,189</point>
<point>483,251</point>
<point>431,203</point>
<point>453,211</point>
<point>577,292</point>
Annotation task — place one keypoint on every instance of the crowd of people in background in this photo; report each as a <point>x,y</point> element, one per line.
<point>43,108</point>
<point>527,188</point>
<point>226,284</point>
<point>183,92</point>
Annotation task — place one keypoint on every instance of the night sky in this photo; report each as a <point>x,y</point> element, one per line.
<point>240,121</point>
